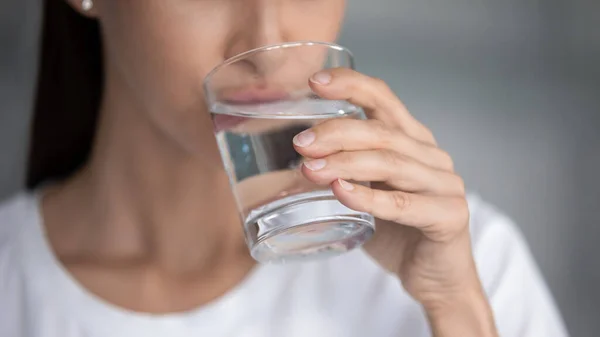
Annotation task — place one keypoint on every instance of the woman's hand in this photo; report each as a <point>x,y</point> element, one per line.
<point>419,201</point>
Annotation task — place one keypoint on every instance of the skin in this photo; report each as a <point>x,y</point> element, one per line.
<point>135,226</point>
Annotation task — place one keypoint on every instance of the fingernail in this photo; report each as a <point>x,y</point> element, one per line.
<point>346,185</point>
<point>321,77</point>
<point>315,165</point>
<point>304,138</point>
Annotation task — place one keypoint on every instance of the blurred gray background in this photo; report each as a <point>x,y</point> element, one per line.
<point>510,87</point>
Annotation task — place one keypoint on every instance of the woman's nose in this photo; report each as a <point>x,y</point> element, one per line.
<point>260,24</point>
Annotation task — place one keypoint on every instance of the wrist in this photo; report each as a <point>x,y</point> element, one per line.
<point>463,314</point>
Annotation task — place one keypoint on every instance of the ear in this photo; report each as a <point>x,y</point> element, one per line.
<point>80,7</point>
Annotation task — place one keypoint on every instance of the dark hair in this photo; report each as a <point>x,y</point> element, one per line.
<point>69,90</point>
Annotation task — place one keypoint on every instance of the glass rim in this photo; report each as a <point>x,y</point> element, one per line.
<point>276,46</point>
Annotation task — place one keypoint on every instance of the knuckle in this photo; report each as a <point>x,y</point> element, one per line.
<point>343,159</point>
<point>429,134</point>
<point>400,200</point>
<point>456,220</point>
<point>446,161</point>
<point>373,88</point>
<point>425,134</point>
<point>384,96</point>
<point>391,159</point>
<point>382,131</point>
<point>460,209</point>
<point>380,83</point>
<point>460,184</point>
<point>377,125</point>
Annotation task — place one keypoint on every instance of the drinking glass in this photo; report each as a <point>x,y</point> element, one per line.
<point>259,100</point>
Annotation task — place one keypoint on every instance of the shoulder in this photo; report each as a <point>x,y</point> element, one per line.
<point>517,291</point>
<point>486,218</point>
<point>493,233</point>
<point>17,214</point>
<point>497,241</point>
<point>14,213</point>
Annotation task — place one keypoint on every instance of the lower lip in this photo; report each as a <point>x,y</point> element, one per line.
<point>245,97</point>
<point>255,96</point>
<point>226,122</point>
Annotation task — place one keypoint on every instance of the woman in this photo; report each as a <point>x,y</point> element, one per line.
<point>125,241</point>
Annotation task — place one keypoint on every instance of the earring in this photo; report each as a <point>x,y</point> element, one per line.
<point>87,5</point>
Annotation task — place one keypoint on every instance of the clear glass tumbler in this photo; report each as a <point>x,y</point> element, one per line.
<point>259,101</point>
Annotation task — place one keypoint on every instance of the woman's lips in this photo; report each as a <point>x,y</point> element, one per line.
<point>254,95</point>
<point>248,96</point>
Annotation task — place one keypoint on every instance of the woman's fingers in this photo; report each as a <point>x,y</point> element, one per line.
<point>397,171</point>
<point>372,94</point>
<point>344,134</point>
<point>416,185</point>
<point>439,218</point>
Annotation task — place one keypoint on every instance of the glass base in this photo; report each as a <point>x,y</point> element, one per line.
<point>305,226</point>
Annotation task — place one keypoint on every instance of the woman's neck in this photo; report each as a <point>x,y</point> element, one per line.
<point>143,197</point>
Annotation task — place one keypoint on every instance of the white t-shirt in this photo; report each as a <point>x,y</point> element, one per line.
<point>346,296</point>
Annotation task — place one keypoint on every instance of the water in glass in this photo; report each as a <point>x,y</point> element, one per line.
<point>286,217</point>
